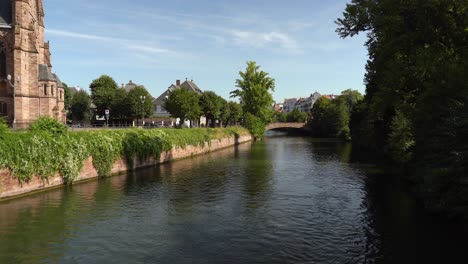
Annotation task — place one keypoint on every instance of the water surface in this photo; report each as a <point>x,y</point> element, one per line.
<point>283,200</point>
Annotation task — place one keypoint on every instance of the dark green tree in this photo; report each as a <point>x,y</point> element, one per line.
<point>414,109</point>
<point>183,104</point>
<point>80,106</point>
<point>211,106</point>
<point>67,96</point>
<point>135,104</point>
<point>103,92</point>
<point>121,106</point>
<point>235,113</point>
<point>296,116</point>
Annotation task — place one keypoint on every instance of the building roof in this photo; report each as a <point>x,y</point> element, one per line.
<point>191,86</point>
<point>59,83</point>
<point>188,85</point>
<point>129,86</point>
<point>45,74</point>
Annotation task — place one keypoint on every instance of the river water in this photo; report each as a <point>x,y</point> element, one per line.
<point>282,200</point>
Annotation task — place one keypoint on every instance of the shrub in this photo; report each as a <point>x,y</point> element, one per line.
<point>44,154</point>
<point>255,125</point>
<point>3,125</point>
<point>49,125</point>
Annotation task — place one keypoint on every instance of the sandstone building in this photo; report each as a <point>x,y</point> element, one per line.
<point>24,55</point>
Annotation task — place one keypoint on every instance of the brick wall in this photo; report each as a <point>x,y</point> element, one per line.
<point>10,186</point>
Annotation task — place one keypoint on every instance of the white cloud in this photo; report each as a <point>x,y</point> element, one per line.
<point>148,49</point>
<point>260,40</point>
<point>70,34</point>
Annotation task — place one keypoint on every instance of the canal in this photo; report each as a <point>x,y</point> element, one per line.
<point>282,200</point>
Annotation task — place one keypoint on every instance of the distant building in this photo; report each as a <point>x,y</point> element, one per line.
<point>301,104</point>
<point>159,102</point>
<point>278,108</point>
<point>289,104</point>
<point>307,103</point>
<point>330,96</point>
<point>129,86</point>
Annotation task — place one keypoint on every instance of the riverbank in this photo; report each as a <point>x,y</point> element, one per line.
<point>35,162</point>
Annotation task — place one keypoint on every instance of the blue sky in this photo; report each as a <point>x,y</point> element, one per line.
<point>153,43</point>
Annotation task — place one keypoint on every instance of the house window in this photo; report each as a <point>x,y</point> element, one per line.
<point>45,89</point>
<point>3,109</point>
<point>158,109</point>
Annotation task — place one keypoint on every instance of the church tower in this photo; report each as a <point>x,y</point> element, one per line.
<point>33,90</point>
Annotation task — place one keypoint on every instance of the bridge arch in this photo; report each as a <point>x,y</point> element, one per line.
<point>277,125</point>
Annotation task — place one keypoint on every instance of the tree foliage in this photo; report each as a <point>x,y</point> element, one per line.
<point>330,118</point>
<point>255,87</point>
<point>80,106</point>
<point>103,91</point>
<point>254,91</point>
<point>211,106</point>
<point>183,104</point>
<point>414,109</point>
<point>231,113</point>
<point>135,105</point>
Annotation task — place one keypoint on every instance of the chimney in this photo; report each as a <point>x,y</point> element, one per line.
<point>177,83</point>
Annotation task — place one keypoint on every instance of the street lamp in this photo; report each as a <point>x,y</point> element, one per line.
<point>9,78</point>
<point>142,99</point>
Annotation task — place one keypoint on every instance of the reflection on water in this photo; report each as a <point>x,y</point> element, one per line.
<point>283,200</point>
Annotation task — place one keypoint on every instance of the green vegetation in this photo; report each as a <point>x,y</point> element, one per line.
<point>415,107</point>
<point>40,152</point>
<point>136,107</point>
<point>47,124</point>
<point>183,104</point>
<point>211,106</point>
<point>3,125</point>
<point>254,93</point>
<point>80,106</point>
<point>106,94</point>
<point>294,116</point>
<point>331,117</point>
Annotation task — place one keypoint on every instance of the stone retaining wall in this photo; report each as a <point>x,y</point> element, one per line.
<point>10,186</point>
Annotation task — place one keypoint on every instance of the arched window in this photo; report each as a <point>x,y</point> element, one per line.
<point>3,109</point>
<point>45,89</point>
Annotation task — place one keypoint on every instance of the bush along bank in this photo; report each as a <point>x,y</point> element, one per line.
<point>44,154</point>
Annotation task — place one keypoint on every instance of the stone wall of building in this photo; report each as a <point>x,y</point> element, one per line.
<point>11,187</point>
<point>25,51</point>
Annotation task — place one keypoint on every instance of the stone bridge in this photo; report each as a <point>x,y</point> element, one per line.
<point>285,125</point>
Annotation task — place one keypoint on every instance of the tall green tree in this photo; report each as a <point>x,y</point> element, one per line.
<point>330,118</point>
<point>103,92</point>
<point>234,113</point>
<point>80,106</point>
<point>183,104</point>
<point>121,106</point>
<point>414,107</point>
<point>254,92</point>
<point>138,107</point>
<point>211,106</point>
